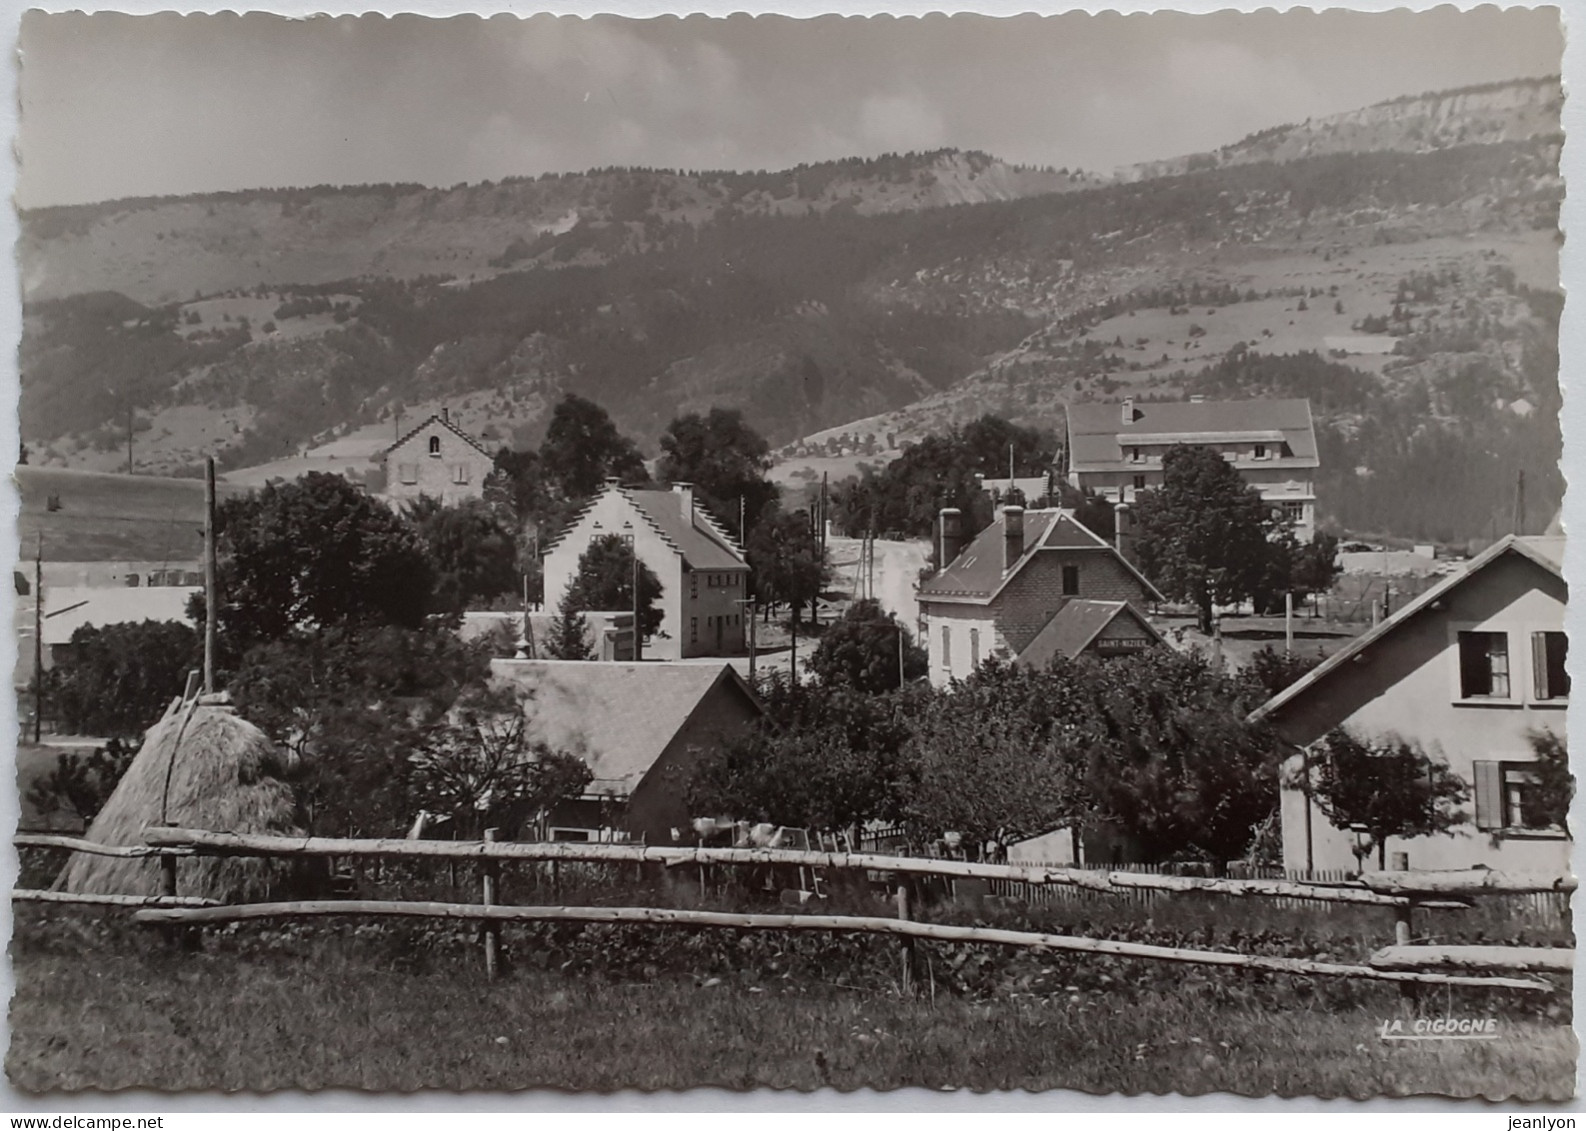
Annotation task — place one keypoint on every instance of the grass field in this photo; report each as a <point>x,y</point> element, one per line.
<point>105,517</point>
<point>101,1005</point>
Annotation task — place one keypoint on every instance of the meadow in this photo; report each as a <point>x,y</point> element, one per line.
<point>110,517</point>
<point>103,1004</point>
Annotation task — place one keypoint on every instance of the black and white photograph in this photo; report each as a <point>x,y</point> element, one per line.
<point>1013,554</point>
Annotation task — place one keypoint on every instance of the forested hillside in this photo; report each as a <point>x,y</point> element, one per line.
<point>882,299</point>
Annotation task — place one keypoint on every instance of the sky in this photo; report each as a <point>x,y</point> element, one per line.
<point>115,105</point>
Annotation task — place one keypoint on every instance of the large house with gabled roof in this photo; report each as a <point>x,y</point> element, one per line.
<point>1033,584</point>
<point>704,575</point>
<point>1469,671</point>
<point>1116,450</point>
<point>437,459</point>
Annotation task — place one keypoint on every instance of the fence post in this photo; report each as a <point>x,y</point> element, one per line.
<point>185,937</point>
<point>492,875</point>
<point>907,950</point>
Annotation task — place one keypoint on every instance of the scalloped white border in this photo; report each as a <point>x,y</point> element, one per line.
<point>1201,1109</point>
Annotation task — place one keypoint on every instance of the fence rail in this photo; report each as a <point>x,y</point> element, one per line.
<point>1401,891</point>
<point>842,923</point>
<point>1036,875</point>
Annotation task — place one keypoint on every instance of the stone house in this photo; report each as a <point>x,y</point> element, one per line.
<point>436,459</point>
<point>998,595</point>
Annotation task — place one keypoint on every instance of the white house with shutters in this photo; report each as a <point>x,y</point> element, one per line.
<point>437,459</point>
<point>1469,671</point>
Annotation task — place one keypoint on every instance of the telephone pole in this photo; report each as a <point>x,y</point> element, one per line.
<point>638,636</point>
<point>210,603</point>
<point>38,642</point>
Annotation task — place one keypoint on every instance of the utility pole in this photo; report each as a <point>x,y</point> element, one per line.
<point>1288,623</point>
<point>38,642</point>
<point>638,636</point>
<point>823,516</point>
<point>210,602</point>
<point>1010,467</point>
<point>1519,505</point>
<point>129,437</point>
<point>899,624</point>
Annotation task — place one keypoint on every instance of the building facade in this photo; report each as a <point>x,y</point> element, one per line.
<point>1116,450</point>
<point>640,728</point>
<point>703,573</point>
<point>438,460</point>
<point>1468,671</point>
<point>1000,592</point>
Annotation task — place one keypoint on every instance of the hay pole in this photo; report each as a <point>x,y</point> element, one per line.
<point>256,844</point>
<point>1475,881</point>
<point>28,895</point>
<point>908,928</point>
<point>1521,959</point>
<point>93,847</point>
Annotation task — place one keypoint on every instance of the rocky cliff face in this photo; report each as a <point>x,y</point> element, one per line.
<point>1484,115</point>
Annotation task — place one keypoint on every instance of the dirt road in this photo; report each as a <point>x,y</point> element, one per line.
<point>897,570</point>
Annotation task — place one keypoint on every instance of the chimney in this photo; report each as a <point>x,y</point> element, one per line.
<point>685,499</point>
<point>446,415</point>
<point>951,525</point>
<point>1012,536</point>
<point>1128,410</point>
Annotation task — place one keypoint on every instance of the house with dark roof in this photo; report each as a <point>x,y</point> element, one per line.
<point>437,459</point>
<point>704,575</point>
<point>1009,590</point>
<point>1468,671</point>
<point>1116,450</point>
<point>640,728</point>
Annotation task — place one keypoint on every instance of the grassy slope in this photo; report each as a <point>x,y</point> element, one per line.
<point>107,517</point>
<point>164,1021</point>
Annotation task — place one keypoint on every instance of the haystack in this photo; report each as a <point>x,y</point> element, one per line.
<point>200,767</point>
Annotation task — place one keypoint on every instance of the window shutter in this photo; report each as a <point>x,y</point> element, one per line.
<point>1539,665</point>
<point>1489,795</point>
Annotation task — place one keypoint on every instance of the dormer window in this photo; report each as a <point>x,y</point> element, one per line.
<point>435,447</point>
<point>1261,451</point>
<point>1134,455</point>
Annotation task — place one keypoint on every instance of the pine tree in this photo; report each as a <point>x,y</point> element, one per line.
<point>569,636</point>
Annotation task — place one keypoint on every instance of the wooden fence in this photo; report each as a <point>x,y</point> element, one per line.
<point>1402,892</point>
<point>1548,910</point>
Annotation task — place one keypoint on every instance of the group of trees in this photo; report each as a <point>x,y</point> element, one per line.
<point>1152,748</point>
<point>1207,538</point>
<point>941,471</point>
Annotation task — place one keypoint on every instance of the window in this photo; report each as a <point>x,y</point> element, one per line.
<point>1508,796</point>
<point>693,630</point>
<point>1292,512</point>
<point>974,648</point>
<point>947,647</point>
<point>1483,665</point>
<point>693,585</point>
<point>1134,455</point>
<point>1139,483</point>
<point>408,472</point>
<point>1071,581</point>
<point>1261,451</point>
<point>460,473</point>
<point>1549,650</point>
<point>435,447</point>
